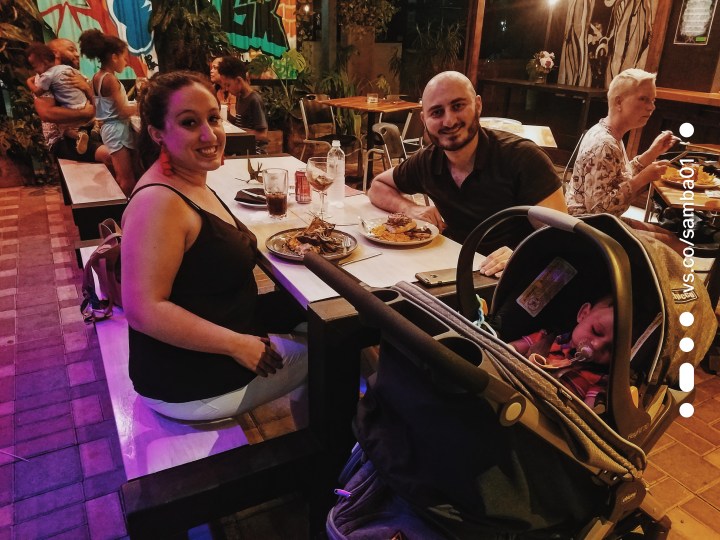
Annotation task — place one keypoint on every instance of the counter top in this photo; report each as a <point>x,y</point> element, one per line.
<point>689,96</point>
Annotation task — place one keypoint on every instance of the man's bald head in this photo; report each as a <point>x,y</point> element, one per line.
<point>65,51</point>
<point>451,110</point>
<point>441,80</point>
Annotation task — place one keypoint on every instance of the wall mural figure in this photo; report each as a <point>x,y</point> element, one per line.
<point>131,18</point>
<point>69,18</point>
<point>258,24</point>
<point>603,38</point>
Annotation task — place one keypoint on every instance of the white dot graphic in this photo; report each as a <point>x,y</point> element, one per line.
<point>687,344</point>
<point>687,129</point>
<point>686,410</point>
<point>686,318</point>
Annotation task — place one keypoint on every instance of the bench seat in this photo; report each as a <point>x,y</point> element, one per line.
<point>93,195</point>
<point>182,474</point>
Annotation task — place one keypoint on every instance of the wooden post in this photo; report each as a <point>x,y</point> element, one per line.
<point>328,14</point>
<point>657,41</point>
<point>473,37</point>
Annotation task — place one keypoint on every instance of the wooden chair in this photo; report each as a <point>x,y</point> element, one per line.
<point>413,133</point>
<point>391,148</point>
<point>567,173</point>
<point>320,127</point>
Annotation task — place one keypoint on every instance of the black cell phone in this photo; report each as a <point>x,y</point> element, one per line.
<point>434,278</point>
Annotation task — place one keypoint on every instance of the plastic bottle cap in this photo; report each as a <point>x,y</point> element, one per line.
<point>336,143</point>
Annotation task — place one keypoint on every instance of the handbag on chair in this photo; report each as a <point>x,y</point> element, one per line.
<point>105,264</point>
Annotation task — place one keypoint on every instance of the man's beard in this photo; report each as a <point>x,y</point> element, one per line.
<point>70,61</point>
<point>472,130</point>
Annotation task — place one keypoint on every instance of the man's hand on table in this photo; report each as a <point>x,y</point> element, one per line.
<point>426,213</point>
<point>495,263</point>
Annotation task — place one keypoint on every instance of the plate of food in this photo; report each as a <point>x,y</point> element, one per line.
<point>701,179</point>
<point>252,197</point>
<point>319,237</point>
<point>399,230</point>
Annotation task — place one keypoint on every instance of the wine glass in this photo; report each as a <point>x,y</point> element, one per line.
<point>319,179</point>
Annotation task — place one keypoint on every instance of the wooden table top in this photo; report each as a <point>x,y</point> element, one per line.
<point>689,96</point>
<point>584,91</point>
<point>675,197</point>
<point>359,103</point>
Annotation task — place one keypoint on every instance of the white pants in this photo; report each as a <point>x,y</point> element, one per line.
<point>292,348</point>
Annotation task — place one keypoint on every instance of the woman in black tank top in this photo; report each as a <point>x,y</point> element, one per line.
<point>189,292</point>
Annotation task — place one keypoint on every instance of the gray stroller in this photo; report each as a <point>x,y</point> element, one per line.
<point>459,436</point>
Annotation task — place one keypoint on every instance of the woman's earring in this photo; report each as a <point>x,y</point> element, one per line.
<point>165,164</point>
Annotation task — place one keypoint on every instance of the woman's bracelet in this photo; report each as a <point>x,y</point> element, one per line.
<point>639,163</point>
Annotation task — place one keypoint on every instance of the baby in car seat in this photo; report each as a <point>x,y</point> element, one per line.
<point>579,358</point>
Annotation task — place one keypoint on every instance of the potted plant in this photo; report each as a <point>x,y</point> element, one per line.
<point>364,16</point>
<point>436,48</point>
<point>187,34</point>
<point>21,138</point>
<point>290,73</point>
<point>539,66</point>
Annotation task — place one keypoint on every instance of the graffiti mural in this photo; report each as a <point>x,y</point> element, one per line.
<point>70,18</point>
<point>267,26</point>
<point>603,38</point>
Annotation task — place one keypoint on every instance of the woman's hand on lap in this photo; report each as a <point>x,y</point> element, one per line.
<point>258,356</point>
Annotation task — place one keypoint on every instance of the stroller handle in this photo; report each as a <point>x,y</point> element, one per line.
<point>553,218</point>
<point>417,343</point>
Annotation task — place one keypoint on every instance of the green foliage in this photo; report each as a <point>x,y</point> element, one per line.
<point>187,34</point>
<point>338,83</point>
<point>20,128</point>
<point>292,74</point>
<point>435,48</point>
<point>372,14</point>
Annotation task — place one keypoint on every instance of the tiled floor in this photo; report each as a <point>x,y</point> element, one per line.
<point>55,413</point>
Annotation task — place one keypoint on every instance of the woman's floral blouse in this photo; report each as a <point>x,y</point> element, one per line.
<point>600,179</point>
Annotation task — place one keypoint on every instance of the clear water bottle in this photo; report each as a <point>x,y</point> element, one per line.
<point>336,164</point>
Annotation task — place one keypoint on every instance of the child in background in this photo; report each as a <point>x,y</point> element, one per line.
<point>579,359</point>
<point>112,107</point>
<point>57,79</point>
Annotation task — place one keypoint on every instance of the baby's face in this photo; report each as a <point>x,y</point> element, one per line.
<point>595,329</point>
<point>38,64</point>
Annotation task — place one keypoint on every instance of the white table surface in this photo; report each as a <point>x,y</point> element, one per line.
<point>88,183</point>
<point>395,264</point>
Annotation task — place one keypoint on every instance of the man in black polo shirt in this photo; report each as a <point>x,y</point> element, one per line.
<point>469,172</point>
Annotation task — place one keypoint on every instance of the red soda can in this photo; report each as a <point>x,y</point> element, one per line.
<point>302,187</point>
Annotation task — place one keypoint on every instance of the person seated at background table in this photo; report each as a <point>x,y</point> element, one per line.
<point>249,107</point>
<point>224,96</point>
<point>468,171</point>
<point>604,180</point>
<point>197,351</point>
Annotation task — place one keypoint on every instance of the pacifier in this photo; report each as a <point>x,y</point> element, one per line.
<point>584,353</point>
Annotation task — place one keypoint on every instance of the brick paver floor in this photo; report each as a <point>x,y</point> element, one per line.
<point>55,413</point>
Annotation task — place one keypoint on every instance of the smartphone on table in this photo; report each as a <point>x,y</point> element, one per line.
<point>434,278</point>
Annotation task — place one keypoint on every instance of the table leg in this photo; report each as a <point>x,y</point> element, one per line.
<point>649,204</point>
<point>506,104</point>
<point>370,142</point>
<point>334,342</point>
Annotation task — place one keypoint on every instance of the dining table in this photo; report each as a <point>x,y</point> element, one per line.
<point>335,333</point>
<point>673,195</point>
<point>361,104</point>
